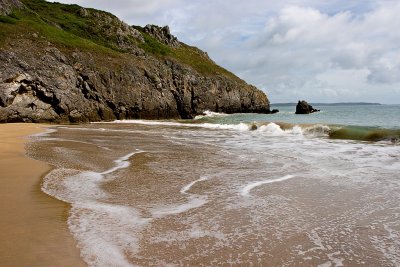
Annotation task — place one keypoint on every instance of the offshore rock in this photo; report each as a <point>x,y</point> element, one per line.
<point>304,108</point>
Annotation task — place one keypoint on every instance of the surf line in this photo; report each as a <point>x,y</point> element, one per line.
<point>246,190</point>
<point>188,186</point>
<point>122,162</point>
<point>194,201</point>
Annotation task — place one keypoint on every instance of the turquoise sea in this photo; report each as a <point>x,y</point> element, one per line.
<point>359,122</point>
<point>379,116</point>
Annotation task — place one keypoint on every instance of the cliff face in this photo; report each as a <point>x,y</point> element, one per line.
<point>92,66</point>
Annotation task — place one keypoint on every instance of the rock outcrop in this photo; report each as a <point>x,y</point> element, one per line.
<point>43,80</point>
<point>6,6</point>
<point>304,108</point>
<point>162,34</point>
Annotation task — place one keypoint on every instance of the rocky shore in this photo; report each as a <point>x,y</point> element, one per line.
<point>55,72</point>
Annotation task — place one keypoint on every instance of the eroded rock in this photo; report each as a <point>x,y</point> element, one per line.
<point>304,108</point>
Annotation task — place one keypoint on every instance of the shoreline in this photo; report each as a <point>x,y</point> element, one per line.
<point>33,225</point>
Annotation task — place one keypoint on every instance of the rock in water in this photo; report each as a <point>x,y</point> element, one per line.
<point>304,108</point>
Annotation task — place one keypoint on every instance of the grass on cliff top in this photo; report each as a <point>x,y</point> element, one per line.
<point>192,56</point>
<point>64,26</point>
<point>185,54</point>
<point>24,23</point>
<point>68,19</point>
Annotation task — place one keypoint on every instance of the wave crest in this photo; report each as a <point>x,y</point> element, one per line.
<point>210,114</point>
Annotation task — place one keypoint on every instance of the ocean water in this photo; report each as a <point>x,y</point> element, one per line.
<point>232,190</point>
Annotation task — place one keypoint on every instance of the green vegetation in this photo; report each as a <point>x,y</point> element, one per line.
<point>7,19</point>
<point>185,54</point>
<point>71,27</point>
<point>68,19</point>
<point>154,47</point>
<point>192,56</point>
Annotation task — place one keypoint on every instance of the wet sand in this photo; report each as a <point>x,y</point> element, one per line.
<point>33,229</point>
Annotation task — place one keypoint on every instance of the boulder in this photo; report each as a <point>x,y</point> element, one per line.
<point>304,108</point>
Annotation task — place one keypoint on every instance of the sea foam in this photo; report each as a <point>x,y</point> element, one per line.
<point>101,229</point>
<point>246,190</point>
<point>194,201</point>
<point>210,114</point>
<point>188,186</point>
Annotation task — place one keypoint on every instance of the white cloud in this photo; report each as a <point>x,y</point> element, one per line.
<point>342,50</point>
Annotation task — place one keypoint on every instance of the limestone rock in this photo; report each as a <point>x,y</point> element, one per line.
<point>6,6</point>
<point>162,34</point>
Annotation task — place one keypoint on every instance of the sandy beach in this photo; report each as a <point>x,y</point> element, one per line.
<point>153,193</point>
<point>33,225</point>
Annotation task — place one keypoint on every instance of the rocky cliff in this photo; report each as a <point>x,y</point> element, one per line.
<point>64,63</point>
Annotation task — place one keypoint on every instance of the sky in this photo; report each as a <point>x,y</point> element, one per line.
<point>316,50</point>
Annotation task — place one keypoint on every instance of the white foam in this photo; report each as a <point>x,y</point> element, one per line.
<point>388,244</point>
<point>105,232</point>
<point>121,163</point>
<point>246,190</point>
<point>296,130</point>
<point>194,202</point>
<point>72,141</point>
<point>272,128</point>
<point>239,127</point>
<point>46,132</point>
<point>210,114</point>
<point>77,186</point>
<point>188,186</point>
<point>148,122</point>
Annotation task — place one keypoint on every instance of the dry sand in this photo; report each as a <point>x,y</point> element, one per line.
<point>33,229</point>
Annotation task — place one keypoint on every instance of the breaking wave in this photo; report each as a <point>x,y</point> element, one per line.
<point>359,133</point>
<point>210,114</point>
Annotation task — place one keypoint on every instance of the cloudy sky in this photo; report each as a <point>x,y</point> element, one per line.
<point>317,50</point>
